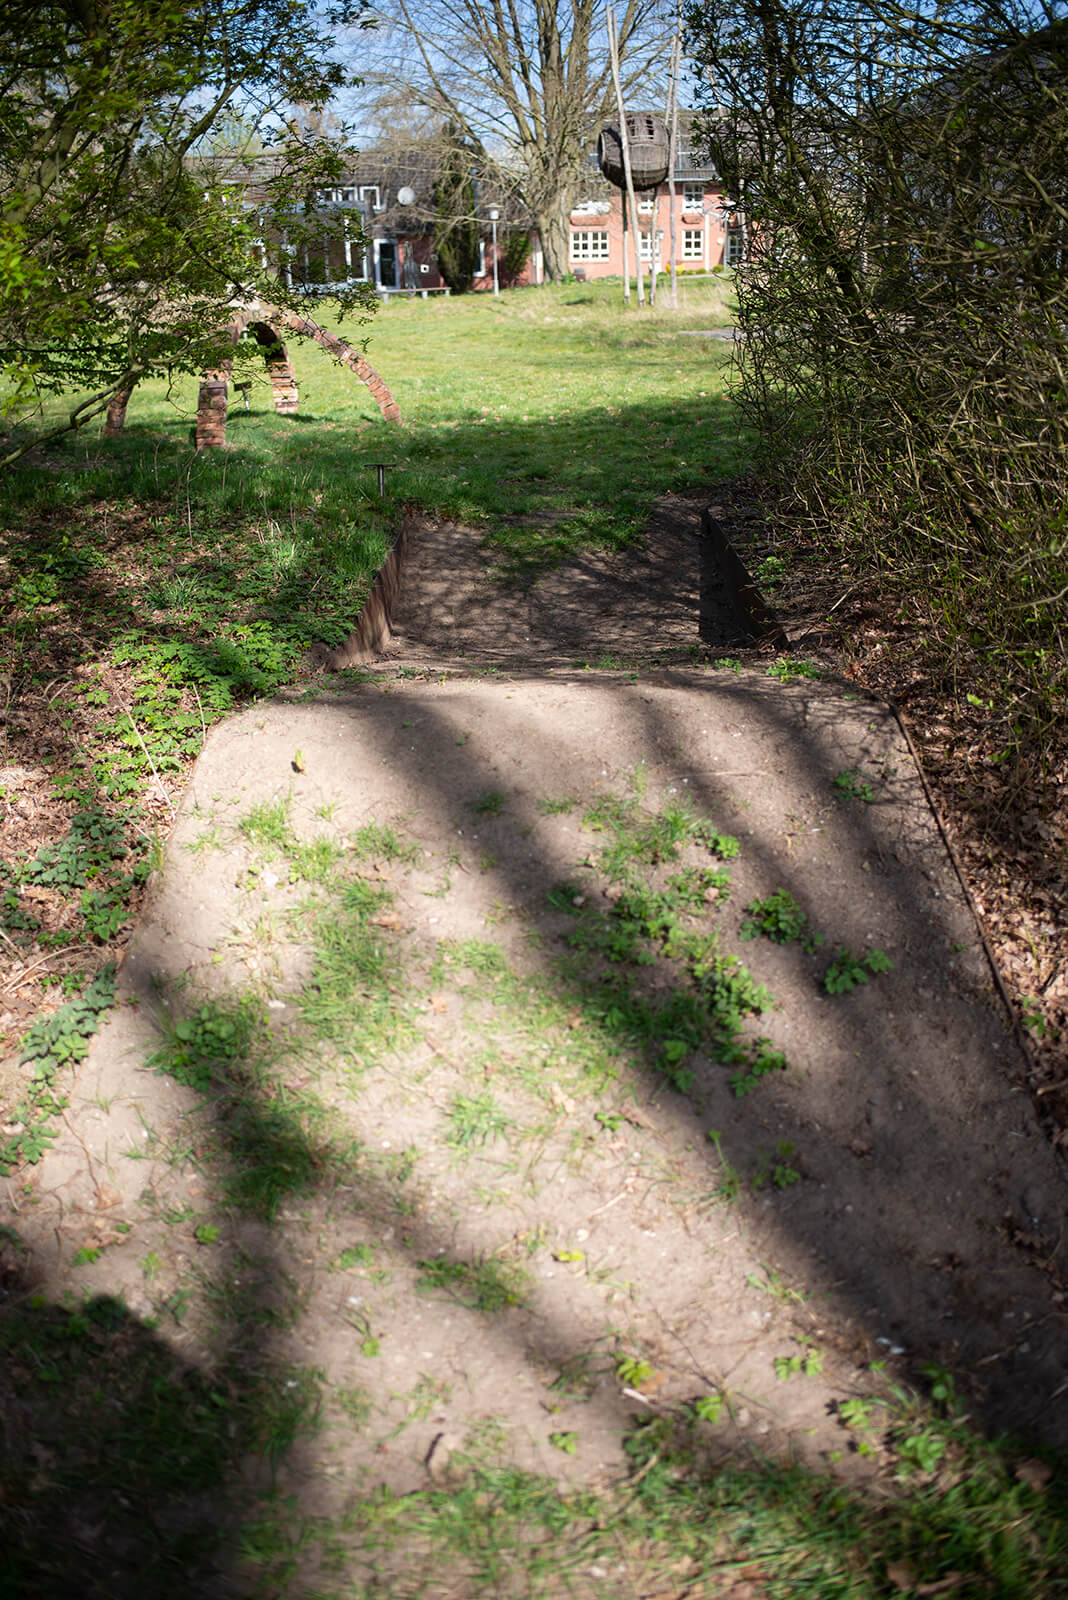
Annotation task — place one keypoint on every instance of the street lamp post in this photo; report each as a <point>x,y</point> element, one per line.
<point>494,214</point>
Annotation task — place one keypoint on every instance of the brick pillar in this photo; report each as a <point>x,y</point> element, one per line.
<point>211,408</point>
<point>283,382</point>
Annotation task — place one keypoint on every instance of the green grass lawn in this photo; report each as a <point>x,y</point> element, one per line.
<point>219,569</point>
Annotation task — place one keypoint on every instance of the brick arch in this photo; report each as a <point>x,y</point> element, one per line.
<point>263,326</point>
<point>279,368</point>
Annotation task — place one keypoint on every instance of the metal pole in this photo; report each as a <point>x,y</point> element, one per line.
<point>613,48</point>
<point>673,156</point>
<point>493,224</point>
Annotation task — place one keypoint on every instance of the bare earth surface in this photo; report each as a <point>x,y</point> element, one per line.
<point>886,1196</point>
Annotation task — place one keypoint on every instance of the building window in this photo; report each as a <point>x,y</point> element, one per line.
<point>589,244</point>
<point>647,204</point>
<point>347,196</point>
<point>693,196</point>
<point>369,196</point>
<point>692,244</point>
<point>736,245</point>
<point>592,208</point>
<point>646,244</point>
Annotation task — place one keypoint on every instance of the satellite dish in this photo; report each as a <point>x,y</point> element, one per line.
<point>405,196</point>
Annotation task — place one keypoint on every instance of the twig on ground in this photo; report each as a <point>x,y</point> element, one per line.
<point>155,773</point>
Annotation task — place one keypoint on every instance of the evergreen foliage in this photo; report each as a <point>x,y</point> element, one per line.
<point>456,230</point>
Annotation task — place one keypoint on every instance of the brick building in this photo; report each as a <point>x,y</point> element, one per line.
<point>709,233</point>
<point>392,194</point>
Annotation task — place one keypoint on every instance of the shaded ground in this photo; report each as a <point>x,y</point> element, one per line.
<point>661,602</point>
<point>1008,828</point>
<point>444,970</point>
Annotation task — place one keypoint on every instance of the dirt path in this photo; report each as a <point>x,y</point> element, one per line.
<point>470,1167</point>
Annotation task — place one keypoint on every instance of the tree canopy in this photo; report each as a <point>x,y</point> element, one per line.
<point>120,251</point>
<point>527,84</point>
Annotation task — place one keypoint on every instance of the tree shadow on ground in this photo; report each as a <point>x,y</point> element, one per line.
<point>129,1463</point>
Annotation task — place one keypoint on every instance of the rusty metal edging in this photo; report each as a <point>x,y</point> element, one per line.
<point>742,589</point>
<point>373,628</point>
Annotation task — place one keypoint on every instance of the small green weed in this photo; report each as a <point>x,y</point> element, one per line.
<point>578,1377</point>
<point>778,1169</point>
<point>847,971</point>
<point>865,1418</point>
<point>730,1183</point>
<point>490,803</point>
<point>356,1255</point>
<point>565,1441</point>
<point>806,1362</point>
<point>772,1283</point>
<point>480,956</point>
<point>475,1120</point>
<point>382,842</point>
<point>56,1042</point>
<point>919,1449</point>
<point>267,825</point>
<point>787,670</point>
<point>633,1371</point>
<point>850,784</point>
<point>556,807</point>
<point>487,1285</point>
<point>210,839</point>
<point>290,1406</point>
<point>763,1060</point>
<point>770,573</point>
<point>698,887</point>
<point>347,998</point>
<point>708,1408</point>
<point>356,1403</point>
<point>197,1048</point>
<point>779,918</point>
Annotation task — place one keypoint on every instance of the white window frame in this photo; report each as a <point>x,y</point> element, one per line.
<point>591,208</point>
<point>734,252</point>
<point>692,245</point>
<point>693,196</point>
<point>590,244</point>
<point>647,205</point>
<point>369,195</point>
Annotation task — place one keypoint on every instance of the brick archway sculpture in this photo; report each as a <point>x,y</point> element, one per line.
<point>263,324</point>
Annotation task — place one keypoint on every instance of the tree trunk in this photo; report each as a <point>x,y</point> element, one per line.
<point>554,228</point>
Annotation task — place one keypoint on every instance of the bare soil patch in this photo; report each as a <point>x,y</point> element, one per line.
<point>500,1192</point>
